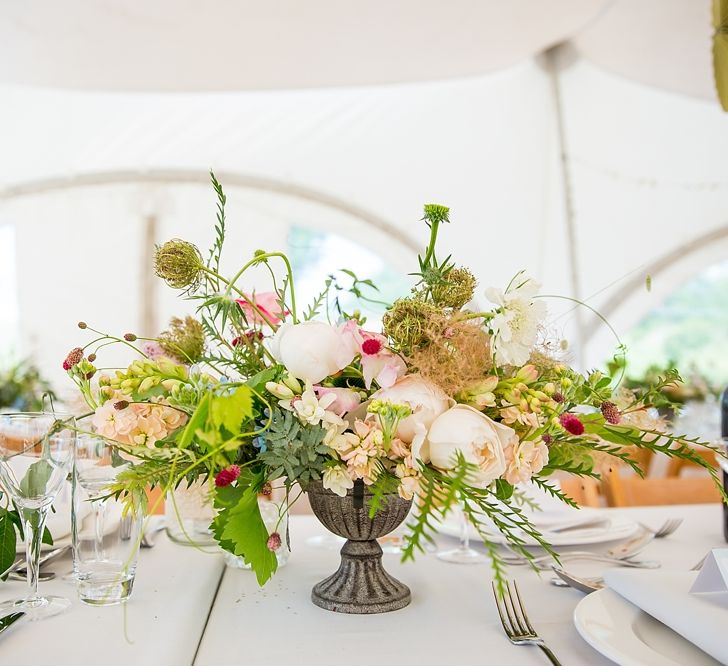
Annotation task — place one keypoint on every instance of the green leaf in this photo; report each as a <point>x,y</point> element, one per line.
<point>7,540</point>
<point>196,422</point>
<point>229,411</point>
<point>244,528</point>
<point>33,484</point>
<point>503,489</point>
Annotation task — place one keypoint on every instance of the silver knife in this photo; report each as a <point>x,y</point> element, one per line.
<point>9,620</point>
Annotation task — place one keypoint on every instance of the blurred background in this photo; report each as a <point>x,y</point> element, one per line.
<point>581,140</point>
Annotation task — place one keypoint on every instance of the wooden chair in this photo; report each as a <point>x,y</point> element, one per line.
<point>634,491</point>
<point>583,490</point>
<point>677,465</point>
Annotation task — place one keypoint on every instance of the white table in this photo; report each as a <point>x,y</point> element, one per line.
<point>452,618</point>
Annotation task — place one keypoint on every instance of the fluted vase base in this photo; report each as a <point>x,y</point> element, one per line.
<point>361,585</point>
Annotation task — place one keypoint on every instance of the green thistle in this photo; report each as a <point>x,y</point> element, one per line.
<point>409,323</point>
<point>184,340</point>
<point>455,288</point>
<point>179,264</point>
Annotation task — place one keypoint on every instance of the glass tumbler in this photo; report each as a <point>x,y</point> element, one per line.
<point>106,531</point>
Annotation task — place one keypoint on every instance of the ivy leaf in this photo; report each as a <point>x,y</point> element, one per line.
<point>7,540</point>
<point>229,411</point>
<point>245,530</point>
<point>33,484</point>
<point>503,489</point>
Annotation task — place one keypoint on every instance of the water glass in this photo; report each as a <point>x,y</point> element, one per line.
<point>106,531</point>
<point>36,452</point>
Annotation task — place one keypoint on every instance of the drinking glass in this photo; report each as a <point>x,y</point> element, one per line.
<point>105,540</point>
<point>463,554</point>
<point>36,452</point>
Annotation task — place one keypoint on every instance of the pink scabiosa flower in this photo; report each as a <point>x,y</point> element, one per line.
<point>267,303</point>
<point>226,476</point>
<point>274,542</point>
<point>611,412</point>
<point>73,358</point>
<point>572,424</point>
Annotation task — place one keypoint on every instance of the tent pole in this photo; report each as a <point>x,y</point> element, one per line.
<point>551,57</point>
<point>148,324</point>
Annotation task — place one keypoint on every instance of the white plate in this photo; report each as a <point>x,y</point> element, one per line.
<point>617,528</point>
<point>630,637</point>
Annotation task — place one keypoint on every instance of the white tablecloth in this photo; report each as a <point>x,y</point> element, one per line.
<point>452,618</point>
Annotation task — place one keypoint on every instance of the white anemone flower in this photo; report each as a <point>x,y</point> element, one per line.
<point>515,325</point>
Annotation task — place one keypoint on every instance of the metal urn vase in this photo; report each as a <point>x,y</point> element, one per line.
<point>361,585</point>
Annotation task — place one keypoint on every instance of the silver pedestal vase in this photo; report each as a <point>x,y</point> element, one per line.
<point>361,585</point>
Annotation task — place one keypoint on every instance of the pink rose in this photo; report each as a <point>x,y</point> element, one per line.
<point>268,303</point>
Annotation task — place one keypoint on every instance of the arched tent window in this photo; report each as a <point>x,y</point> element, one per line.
<point>9,313</point>
<point>98,232</point>
<point>689,328</point>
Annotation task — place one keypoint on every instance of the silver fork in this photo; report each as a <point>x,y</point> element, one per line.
<point>666,529</point>
<point>515,621</point>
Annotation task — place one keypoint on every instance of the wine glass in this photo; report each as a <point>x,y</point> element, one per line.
<point>36,452</point>
<point>463,554</point>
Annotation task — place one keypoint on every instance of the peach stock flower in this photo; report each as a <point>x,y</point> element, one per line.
<point>525,459</point>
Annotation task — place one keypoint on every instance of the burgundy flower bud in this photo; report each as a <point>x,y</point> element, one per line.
<point>558,397</point>
<point>274,541</point>
<point>572,424</point>
<point>610,412</point>
<point>130,337</point>
<point>91,358</point>
<point>74,358</point>
<point>547,439</point>
<point>267,489</point>
<point>226,476</point>
<point>121,404</point>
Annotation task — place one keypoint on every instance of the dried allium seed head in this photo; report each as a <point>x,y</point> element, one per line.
<point>184,340</point>
<point>455,289</point>
<point>409,321</point>
<point>179,264</point>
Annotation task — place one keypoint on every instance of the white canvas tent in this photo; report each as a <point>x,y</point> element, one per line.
<point>590,164</point>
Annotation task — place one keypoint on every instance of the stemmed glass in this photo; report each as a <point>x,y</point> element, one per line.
<point>463,554</point>
<point>36,453</point>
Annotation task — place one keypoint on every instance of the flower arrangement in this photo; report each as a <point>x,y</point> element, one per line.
<point>445,404</point>
<point>22,388</point>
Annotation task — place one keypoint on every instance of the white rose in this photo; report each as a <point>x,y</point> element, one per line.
<point>481,441</point>
<point>312,350</point>
<point>337,480</point>
<point>426,400</point>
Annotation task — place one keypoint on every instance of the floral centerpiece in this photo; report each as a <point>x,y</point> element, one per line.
<point>445,404</point>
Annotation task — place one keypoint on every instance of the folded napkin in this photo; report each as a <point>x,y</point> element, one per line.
<point>700,618</point>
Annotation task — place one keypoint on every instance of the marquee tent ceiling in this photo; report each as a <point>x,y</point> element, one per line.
<point>187,45</point>
<point>83,167</point>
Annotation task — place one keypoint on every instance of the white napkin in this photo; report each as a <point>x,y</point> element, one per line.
<point>700,618</point>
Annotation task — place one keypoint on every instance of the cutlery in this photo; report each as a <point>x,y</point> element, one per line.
<point>586,585</point>
<point>574,525</point>
<point>633,545</point>
<point>515,621</point>
<point>43,576</point>
<point>666,529</point>
<point>18,567</point>
<point>150,535</point>
<point>544,562</point>
<point>9,620</point>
